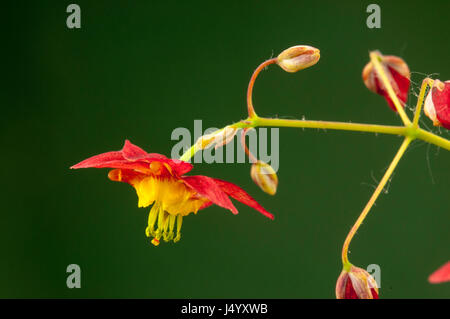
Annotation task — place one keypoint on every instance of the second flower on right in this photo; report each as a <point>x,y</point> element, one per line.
<point>437,104</point>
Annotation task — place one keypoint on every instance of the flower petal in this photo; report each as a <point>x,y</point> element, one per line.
<point>360,286</point>
<point>240,195</point>
<point>400,85</point>
<point>180,167</point>
<point>206,205</point>
<point>101,160</point>
<point>441,101</point>
<point>397,73</point>
<point>125,175</point>
<point>402,82</point>
<point>207,187</point>
<point>440,275</point>
<point>132,152</point>
<point>350,292</point>
<point>133,157</point>
<point>356,284</point>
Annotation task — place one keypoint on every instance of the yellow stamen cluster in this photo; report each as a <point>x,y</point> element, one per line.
<point>165,225</point>
<point>171,200</point>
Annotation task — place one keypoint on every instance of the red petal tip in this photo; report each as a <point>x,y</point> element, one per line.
<point>441,275</point>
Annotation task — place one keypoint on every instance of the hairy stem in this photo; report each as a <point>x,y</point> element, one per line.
<point>433,139</point>
<point>267,122</point>
<point>358,127</point>
<point>372,200</point>
<point>410,131</point>
<point>251,157</point>
<point>251,109</point>
<point>420,101</point>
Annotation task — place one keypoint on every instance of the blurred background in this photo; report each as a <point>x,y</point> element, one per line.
<point>138,71</point>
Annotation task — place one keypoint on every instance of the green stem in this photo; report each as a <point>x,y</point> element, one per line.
<point>372,200</point>
<point>358,127</point>
<point>433,139</point>
<point>420,101</point>
<point>411,130</point>
<point>188,154</point>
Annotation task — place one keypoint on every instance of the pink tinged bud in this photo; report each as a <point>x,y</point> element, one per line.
<point>398,74</point>
<point>265,177</point>
<point>440,275</point>
<point>437,104</point>
<point>356,284</point>
<point>216,139</point>
<point>298,57</point>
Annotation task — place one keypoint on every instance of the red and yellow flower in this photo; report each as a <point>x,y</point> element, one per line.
<point>160,181</point>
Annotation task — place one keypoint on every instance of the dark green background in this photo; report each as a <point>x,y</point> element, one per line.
<point>138,71</point>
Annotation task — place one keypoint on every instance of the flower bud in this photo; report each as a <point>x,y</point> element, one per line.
<point>440,275</point>
<point>398,75</point>
<point>265,177</point>
<point>437,104</point>
<point>298,57</point>
<point>356,284</point>
<point>218,138</point>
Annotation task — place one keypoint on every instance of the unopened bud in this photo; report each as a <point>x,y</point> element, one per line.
<point>218,138</point>
<point>397,73</point>
<point>356,284</point>
<point>437,104</point>
<point>265,177</point>
<point>298,57</point>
